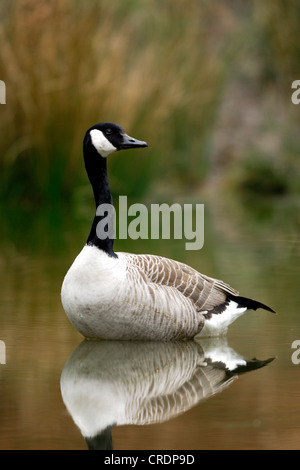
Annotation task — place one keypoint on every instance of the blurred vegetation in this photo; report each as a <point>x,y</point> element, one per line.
<point>207,84</point>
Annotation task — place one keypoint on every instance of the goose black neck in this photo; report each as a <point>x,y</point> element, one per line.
<point>102,441</point>
<point>97,172</point>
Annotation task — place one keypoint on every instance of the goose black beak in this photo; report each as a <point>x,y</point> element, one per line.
<point>129,143</point>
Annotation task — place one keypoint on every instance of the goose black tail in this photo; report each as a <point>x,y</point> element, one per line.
<point>250,364</point>
<point>249,303</point>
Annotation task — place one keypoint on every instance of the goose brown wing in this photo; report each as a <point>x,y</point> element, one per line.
<point>205,292</point>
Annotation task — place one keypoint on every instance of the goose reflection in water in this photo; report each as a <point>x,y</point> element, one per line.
<point>113,383</point>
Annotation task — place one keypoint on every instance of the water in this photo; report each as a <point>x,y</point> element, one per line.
<point>155,396</point>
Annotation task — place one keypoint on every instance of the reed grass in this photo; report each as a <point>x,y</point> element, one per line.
<point>160,69</point>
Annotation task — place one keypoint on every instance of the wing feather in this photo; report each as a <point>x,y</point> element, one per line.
<point>205,292</point>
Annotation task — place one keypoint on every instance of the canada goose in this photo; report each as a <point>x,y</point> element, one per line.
<point>126,296</point>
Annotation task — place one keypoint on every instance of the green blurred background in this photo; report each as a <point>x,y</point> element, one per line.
<point>207,84</point>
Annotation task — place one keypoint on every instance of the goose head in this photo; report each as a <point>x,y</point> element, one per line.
<point>108,137</point>
<point>101,140</point>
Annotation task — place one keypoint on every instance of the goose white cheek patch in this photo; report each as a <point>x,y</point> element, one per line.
<point>101,143</point>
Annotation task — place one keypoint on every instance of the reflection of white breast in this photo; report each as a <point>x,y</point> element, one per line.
<point>117,383</point>
<point>106,383</point>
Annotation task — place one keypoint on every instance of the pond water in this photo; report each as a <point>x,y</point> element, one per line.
<point>54,385</point>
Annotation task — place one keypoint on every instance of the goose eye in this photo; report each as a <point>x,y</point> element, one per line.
<point>108,131</point>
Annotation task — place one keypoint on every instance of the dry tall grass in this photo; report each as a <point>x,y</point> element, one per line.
<point>151,67</point>
<point>157,68</point>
